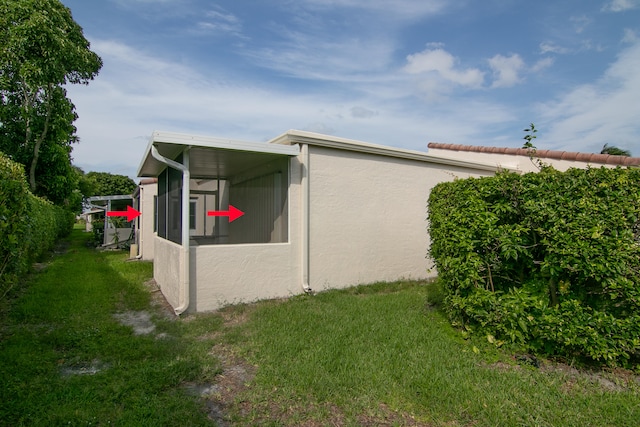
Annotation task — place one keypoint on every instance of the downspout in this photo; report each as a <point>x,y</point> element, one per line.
<point>305,218</point>
<point>186,177</point>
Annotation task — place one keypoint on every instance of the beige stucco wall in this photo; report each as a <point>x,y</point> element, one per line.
<point>228,274</point>
<point>167,267</point>
<point>368,216</point>
<point>523,164</point>
<point>147,209</point>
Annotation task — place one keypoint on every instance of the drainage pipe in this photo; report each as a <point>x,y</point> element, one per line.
<point>305,218</point>
<point>186,177</point>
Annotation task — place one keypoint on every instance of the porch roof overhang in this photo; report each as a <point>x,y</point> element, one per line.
<point>101,202</point>
<point>210,156</point>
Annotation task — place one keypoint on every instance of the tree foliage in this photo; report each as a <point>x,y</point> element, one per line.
<point>615,151</point>
<point>107,184</point>
<point>29,225</point>
<point>41,49</point>
<point>547,260</point>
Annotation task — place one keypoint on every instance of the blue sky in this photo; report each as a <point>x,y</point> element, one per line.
<point>401,73</point>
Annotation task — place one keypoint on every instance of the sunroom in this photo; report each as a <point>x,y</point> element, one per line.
<point>201,181</point>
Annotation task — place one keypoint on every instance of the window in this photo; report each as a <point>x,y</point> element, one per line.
<point>162,204</point>
<point>170,204</point>
<point>193,204</point>
<point>155,214</point>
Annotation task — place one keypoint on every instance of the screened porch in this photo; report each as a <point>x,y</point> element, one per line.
<point>251,177</point>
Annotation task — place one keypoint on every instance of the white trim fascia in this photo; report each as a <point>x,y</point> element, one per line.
<point>222,143</point>
<point>107,198</point>
<point>311,138</point>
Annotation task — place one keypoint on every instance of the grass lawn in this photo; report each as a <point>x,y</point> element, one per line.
<point>366,356</point>
<point>65,359</point>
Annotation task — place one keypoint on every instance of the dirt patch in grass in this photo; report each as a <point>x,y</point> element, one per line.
<point>605,380</point>
<point>91,368</point>
<point>389,418</point>
<point>235,378</point>
<point>307,413</point>
<point>158,301</point>
<point>140,321</point>
<point>234,316</point>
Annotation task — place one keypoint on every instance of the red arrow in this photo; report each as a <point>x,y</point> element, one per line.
<point>130,213</point>
<point>233,213</point>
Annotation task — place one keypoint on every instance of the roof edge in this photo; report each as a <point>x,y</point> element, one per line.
<point>605,159</point>
<point>311,138</point>
<point>216,142</point>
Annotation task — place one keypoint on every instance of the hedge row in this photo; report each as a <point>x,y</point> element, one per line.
<point>548,260</point>
<point>29,225</point>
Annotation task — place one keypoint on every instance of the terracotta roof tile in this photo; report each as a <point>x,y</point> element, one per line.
<point>543,154</point>
<point>146,181</point>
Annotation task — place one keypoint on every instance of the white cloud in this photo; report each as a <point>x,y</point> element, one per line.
<point>321,57</point>
<point>542,64</point>
<point>548,47</point>
<point>398,9</point>
<point>137,93</point>
<point>630,36</point>
<point>587,45</point>
<point>620,5</point>
<point>506,70</point>
<point>604,111</point>
<point>443,64</point>
<point>220,21</point>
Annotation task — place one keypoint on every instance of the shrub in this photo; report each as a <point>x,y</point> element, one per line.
<point>98,232</point>
<point>29,225</point>
<point>549,260</point>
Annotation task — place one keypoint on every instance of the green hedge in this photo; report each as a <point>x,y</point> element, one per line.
<point>548,260</point>
<point>29,225</point>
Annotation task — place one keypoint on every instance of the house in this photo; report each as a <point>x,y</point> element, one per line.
<point>115,230</point>
<point>319,212</point>
<point>145,199</point>
<point>525,160</point>
<point>90,217</point>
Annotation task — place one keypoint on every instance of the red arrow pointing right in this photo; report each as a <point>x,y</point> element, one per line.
<point>130,213</point>
<point>233,213</point>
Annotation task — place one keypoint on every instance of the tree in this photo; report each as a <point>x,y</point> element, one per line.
<point>615,151</point>
<point>41,49</point>
<point>54,174</point>
<point>107,184</point>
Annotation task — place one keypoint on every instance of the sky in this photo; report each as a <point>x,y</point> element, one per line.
<point>401,73</point>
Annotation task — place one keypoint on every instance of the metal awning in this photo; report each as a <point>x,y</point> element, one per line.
<point>104,200</point>
<point>211,156</point>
